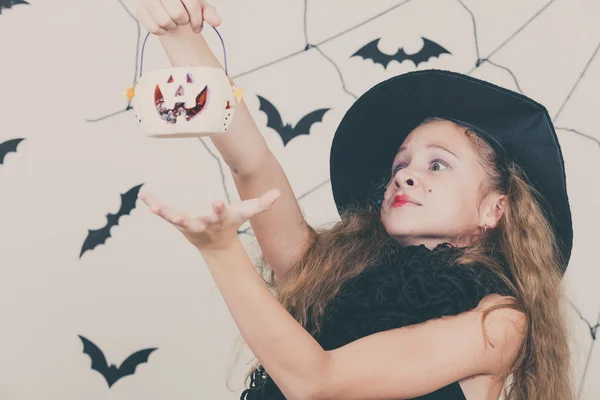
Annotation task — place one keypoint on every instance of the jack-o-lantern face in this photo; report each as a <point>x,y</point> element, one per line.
<point>170,114</point>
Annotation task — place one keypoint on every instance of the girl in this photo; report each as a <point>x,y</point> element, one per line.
<point>442,279</point>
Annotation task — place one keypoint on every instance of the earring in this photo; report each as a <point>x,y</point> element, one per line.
<point>484,228</point>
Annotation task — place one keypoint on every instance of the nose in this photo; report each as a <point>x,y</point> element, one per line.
<point>405,178</point>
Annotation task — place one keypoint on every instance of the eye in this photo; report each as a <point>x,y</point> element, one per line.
<point>438,163</point>
<point>397,168</point>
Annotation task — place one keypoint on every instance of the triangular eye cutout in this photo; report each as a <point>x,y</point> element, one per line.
<point>170,79</point>
<point>189,78</point>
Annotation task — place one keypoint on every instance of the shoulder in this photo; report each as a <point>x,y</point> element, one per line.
<point>505,329</point>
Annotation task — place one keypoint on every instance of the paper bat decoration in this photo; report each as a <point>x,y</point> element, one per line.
<point>10,3</point>
<point>287,132</point>
<point>111,373</point>
<point>371,51</point>
<point>8,147</point>
<point>99,236</point>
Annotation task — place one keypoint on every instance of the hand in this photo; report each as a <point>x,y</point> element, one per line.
<point>214,229</point>
<point>161,16</point>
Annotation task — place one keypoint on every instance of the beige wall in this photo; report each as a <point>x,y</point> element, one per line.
<point>65,61</point>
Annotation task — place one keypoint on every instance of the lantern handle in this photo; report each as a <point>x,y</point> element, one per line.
<point>222,44</point>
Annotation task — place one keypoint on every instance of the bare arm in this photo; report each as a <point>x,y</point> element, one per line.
<point>282,231</point>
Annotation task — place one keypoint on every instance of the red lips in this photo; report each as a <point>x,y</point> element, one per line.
<point>402,199</point>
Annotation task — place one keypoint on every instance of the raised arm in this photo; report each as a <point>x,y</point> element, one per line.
<point>282,231</point>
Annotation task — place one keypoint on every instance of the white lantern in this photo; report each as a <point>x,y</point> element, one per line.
<point>185,101</point>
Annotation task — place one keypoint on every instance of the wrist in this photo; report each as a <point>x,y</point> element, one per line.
<point>218,251</point>
<point>185,47</point>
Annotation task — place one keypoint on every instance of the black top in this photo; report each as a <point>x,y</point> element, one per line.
<point>419,285</point>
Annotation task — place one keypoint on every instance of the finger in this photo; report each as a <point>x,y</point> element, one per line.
<point>194,9</point>
<point>268,198</point>
<point>146,198</point>
<point>146,18</point>
<point>252,207</point>
<point>218,207</point>
<point>208,218</point>
<point>160,15</point>
<point>210,15</point>
<point>176,11</point>
<point>180,221</point>
<point>163,211</point>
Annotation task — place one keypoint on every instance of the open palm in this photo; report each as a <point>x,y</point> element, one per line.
<point>215,228</point>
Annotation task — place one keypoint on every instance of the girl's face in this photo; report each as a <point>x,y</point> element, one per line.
<point>437,171</point>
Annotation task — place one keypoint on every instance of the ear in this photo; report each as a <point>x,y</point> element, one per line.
<point>491,209</point>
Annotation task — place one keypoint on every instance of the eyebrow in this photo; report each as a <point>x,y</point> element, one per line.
<point>431,145</point>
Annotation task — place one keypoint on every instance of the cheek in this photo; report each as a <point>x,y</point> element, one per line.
<point>462,202</point>
<point>452,197</point>
<point>389,191</point>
